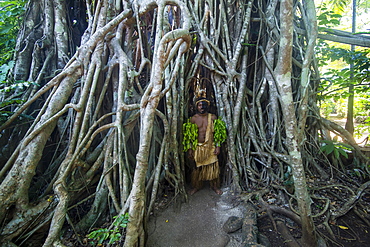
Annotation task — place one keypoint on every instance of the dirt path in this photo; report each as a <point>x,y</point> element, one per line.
<point>198,224</point>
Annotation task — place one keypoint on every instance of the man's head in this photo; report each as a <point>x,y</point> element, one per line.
<point>202,105</point>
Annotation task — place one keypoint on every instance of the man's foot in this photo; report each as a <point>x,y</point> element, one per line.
<point>218,191</point>
<point>193,191</point>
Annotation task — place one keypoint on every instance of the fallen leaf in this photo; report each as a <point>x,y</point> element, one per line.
<point>343,227</point>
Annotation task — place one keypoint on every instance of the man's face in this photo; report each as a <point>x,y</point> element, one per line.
<point>202,107</point>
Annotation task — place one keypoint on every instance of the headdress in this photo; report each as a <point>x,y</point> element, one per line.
<point>202,96</point>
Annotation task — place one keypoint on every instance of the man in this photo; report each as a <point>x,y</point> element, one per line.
<point>205,154</point>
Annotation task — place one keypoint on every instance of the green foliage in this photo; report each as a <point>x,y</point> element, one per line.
<point>363,107</point>
<point>339,4</point>
<point>362,128</point>
<point>328,107</point>
<point>10,102</point>
<point>121,220</point>
<point>334,86</point>
<point>358,172</point>
<point>110,235</point>
<point>219,132</point>
<point>18,85</point>
<point>5,113</point>
<point>10,19</point>
<point>190,132</point>
<point>335,148</point>
<point>360,60</point>
<point>327,18</point>
<point>14,89</point>
<point>4,69</point>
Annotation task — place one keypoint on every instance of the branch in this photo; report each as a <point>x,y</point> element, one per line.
<point>346,38</point>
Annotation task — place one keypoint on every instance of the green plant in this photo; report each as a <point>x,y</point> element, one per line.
<point>358,172</point>
<point>220,132</point>
<point>18,85</point>
<point>327,18</point>
<point>335,148</point>
<point>7,105</point>
<point>327,107</point>
<point>10,19</point>
<point>110,235</point>
<point>344,69</point>
<point>190,132</point>
<point>4,69</point>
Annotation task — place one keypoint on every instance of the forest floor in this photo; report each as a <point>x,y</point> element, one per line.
<point>199,223</point>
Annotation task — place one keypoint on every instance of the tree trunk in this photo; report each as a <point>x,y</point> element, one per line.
<point>350,104</point>
<point>284,81</point>
<point>135,231</point>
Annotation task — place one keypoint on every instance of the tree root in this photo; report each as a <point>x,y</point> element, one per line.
<point>289,239</point>
<point>359,214</point>
<point>351,202</point>
<point>286,213</point>
<point>327,226</point>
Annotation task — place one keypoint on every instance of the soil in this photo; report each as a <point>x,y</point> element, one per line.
<point>355,233</point>
<point>199,223</point>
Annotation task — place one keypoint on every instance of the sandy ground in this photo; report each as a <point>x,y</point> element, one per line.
<point>198,223</point>
<point>342,122</point>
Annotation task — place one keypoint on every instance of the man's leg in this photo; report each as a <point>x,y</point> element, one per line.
<point>196,182</point>
<point>215,185</point>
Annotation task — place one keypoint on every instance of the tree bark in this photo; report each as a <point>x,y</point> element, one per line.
<point>283,76</point>
<point>149,103</point>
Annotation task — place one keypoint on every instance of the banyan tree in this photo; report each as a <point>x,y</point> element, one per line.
<point>99,129</point>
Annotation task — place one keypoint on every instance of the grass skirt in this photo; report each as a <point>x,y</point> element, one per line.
<point>209,172</point>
